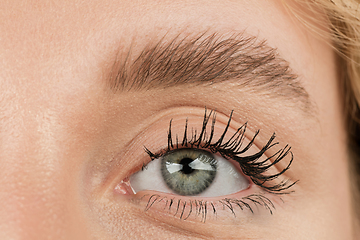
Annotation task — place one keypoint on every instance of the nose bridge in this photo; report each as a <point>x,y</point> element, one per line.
<point>32,190</point>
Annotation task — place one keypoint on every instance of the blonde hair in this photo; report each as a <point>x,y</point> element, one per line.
<point>343,23</point>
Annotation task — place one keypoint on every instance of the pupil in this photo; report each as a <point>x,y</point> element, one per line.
<point>186,168</point>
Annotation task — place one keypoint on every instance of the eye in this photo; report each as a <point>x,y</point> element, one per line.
<point>205,171</point>
<point>190,172</point>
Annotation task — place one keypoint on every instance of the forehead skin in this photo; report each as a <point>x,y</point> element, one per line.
<point>60,128</point>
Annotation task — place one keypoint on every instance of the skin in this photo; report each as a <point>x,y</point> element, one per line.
<point>66,142</point>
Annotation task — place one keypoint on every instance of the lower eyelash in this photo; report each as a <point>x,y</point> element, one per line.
<point>184,209</point>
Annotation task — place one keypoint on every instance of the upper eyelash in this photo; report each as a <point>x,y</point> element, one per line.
<point>231,149</point>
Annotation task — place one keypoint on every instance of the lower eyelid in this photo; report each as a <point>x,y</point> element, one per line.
<point>230,209</point>
<point>216,226</point>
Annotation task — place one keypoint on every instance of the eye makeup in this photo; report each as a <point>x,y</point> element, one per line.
<point>234,148</point>
<point>265,179</point>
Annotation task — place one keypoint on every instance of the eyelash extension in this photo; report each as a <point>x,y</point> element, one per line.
<point>233,148</point>
<point>201,208</point>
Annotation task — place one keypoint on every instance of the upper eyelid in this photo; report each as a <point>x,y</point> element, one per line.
<point>154,123</point>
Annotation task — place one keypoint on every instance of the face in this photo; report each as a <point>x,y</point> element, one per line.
<point>169,120</point>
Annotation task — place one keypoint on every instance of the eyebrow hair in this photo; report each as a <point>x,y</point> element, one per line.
<point>209,59</point>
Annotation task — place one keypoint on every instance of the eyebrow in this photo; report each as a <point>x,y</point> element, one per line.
<point>208,59</point>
